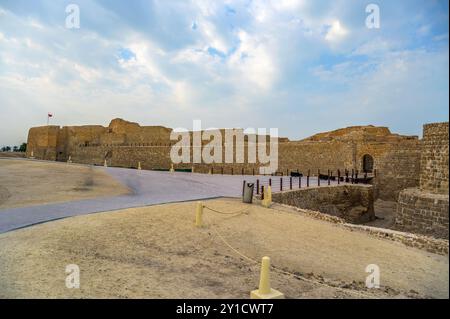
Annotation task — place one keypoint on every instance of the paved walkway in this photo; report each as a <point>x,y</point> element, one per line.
<point>148,188</point>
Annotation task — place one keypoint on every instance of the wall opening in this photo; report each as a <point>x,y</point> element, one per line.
<point>367,163</point>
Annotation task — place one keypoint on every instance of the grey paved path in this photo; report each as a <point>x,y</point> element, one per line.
<point>149,188</point>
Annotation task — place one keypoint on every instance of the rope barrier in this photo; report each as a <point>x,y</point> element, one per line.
<point>254,261</point>
<point>223,213</point>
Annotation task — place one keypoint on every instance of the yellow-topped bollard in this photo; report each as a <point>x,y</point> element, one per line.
<point>267,201</point>
<point>139,166</point>
<point>171,168</point>
<point>265,291</point>
<point>199,215</point>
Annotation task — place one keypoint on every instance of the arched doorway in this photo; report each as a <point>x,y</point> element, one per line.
<point>367,163</point>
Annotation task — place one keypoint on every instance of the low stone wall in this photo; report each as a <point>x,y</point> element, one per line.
<point>423,212</point>
<point>353,203</point>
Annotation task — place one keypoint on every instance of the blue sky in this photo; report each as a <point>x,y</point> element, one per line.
<point>301,66</point>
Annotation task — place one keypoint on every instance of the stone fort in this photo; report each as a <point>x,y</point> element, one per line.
<point>395,158</point>
<point>411,171</point>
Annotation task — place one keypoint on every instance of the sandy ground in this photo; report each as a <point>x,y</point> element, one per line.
<point>156,252</point>
<point>12,154</point>
<point>27,183</point>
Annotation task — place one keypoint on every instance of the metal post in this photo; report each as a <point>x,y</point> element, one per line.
<point>328,177</point>
<point>243,187</point>
<point>318,177</point>
<point>299,181</point>
<point>270,182</point>
<point>290,183</point>
<point>281,184</point>
<point>257,186</point>
<point>339,176</point>
<point>262,192</point>
<point>307,180</point>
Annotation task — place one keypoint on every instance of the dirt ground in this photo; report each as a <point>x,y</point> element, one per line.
<point>12,154</point>
<point>156,252</point>
<point>385,212</point>
<point>27,183</point>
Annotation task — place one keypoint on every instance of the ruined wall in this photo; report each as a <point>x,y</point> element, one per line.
<point>425,209</point>
<point>422,212</point>
<point>353,203</point>
<point>434,160</point>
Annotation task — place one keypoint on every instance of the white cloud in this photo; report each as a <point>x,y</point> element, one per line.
<point>273,66</point>
<point>336,32</point>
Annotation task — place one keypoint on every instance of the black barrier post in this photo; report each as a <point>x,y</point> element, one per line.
<point>270,182</point>
<point>339,176</point>
<point>318,177</point>
<point>232,172</point>
<point>243,187</point>
<point>290,183</point>
<point>262,192</point>
<point>281,184</point>
<point>257,186</point>
<point>307,180</point>
<point>299,181</point>
<point>328,177</point>
<point>356,177</point>
<point>212,170</point>
<point>353,175</point>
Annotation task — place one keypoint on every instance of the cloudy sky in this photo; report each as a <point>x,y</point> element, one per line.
<point>302,66</point>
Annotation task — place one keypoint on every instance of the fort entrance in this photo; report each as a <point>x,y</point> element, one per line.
<point>367,163</point>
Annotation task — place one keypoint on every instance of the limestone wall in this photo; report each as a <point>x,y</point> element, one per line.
<point>124,144</point>
<point>397,168</point>
<point>353,203</point>
<point>424,209</point>
<point>42,142</point>
<point>434,160</point>
<point>423,212</point>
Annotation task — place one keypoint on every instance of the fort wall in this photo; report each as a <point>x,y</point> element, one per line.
<point>395,158</point>
<point>352,203</point>
<point>425,209</point>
